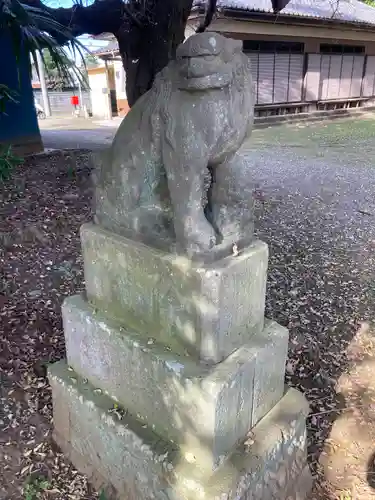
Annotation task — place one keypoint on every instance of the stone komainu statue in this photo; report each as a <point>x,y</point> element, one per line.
<point>173,178</point>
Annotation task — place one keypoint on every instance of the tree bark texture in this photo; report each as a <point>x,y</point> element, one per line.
<point>147,47</point>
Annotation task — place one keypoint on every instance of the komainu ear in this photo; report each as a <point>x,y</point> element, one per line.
<point>231,48</point>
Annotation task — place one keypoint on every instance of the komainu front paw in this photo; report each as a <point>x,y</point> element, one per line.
<point>200,236</point>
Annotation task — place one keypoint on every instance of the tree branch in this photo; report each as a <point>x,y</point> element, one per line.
<point>148,31</point>
<point>209,14</point>
<point>278,5</point>
<point>102,16</point>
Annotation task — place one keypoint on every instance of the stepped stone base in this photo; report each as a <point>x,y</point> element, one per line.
<point>123,456</point>
<point>206,310</point>
<point>182,399</point>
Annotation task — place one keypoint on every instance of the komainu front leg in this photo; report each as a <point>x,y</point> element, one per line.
<point>194,234</point>
<point>231,200</point>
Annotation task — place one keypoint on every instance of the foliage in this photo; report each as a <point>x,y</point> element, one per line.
<point>53,76</point>
<point>8,162</point>
<point>34,487</point>
<point>369,2</point>
<point>148,31</point>
<point>34,29</point>
<point>345,495</point>
<point>91,60</point>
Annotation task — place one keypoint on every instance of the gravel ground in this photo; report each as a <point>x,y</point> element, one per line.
<point>317,184</point>
<point>315,209</point>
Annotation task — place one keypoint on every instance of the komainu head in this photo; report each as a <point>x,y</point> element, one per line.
<point>208,61</point>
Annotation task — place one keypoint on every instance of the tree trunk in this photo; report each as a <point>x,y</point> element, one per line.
<point>146,48</point>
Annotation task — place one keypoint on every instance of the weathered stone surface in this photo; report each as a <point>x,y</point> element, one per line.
<point>173,177</point>
<point>207,311</point>
<point>122,451</point>
<point>270,369</point>
<point>181,399</point>
<point>122,454</point>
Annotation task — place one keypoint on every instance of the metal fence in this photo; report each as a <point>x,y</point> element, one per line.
<point>60,101</point>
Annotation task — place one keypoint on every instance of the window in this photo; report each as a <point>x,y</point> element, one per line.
<point>273,47</point>
<point>327,48</point>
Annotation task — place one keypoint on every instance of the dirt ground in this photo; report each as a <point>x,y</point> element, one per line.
<point>42,209</point>
<point>314,187</point>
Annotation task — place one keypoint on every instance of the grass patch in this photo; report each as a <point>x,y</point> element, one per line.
<point>316,134</point>
<point>34,487</point>
<point>8,162</point>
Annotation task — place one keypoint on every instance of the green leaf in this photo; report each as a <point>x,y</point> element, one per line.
<point>8,162</point>
<point>102,495</point>
<point>28,28</point>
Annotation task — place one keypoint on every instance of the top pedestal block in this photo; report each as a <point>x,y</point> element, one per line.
<point>205,311</point>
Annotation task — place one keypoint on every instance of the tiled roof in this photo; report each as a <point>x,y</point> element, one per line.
<point>111,47</point>
<point>349,11</point>
<point>346,11</point>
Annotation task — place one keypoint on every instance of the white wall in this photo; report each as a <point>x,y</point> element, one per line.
<point>99,95</point>
<point>120,80</point>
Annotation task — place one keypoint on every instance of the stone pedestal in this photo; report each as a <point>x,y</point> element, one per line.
<point>174,382</point>
<point>206,311</point>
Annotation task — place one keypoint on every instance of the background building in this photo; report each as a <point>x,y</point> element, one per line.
<point>60,89</point>
<point>107,81</point>
<point>315,55</point>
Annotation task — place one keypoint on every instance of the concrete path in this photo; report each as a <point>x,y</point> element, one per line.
<point>71,133</point>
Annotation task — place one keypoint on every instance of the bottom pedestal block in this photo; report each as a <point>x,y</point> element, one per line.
<point>125,458</point>
<point>180,398</point>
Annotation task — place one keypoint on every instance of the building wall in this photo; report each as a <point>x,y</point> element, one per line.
<point>311,76</point>
<point>334,76</point>
<point>368,84</point>
<point>19,126</point>
<point>120,82</point>
<point>113,79</point>
<point>277,78</point>
<point>306,77</point>
<point>60,101</point>
<point>99,91</point>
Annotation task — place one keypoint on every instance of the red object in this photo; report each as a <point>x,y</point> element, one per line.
<point>74,100</point>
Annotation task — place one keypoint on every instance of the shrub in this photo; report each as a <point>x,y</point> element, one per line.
<point>8,162</point>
